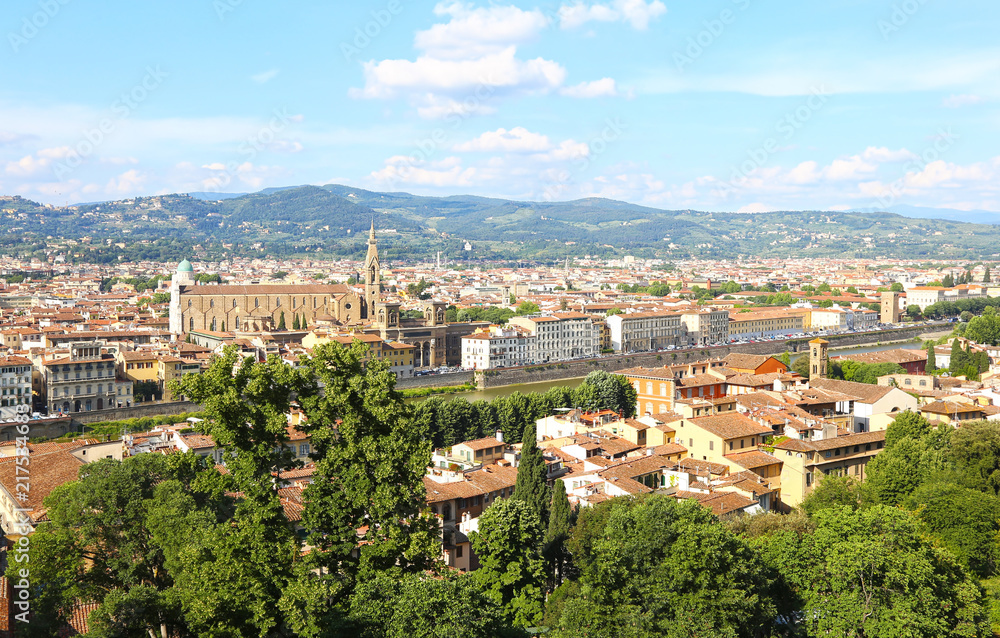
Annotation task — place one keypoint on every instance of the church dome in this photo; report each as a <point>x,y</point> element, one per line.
<point>185,266</point>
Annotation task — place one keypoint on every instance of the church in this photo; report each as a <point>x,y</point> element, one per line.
<point>259,307</point>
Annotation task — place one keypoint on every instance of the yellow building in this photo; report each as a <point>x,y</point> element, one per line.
<point>806,462</point>
<point>398,355</point>
<point>766,323</point>
<point>170,368</point>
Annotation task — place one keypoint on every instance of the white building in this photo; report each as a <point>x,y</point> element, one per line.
<point>15,385</point>
<point>561,336</point>
<point>497,347</point>
<point>644,331</point>
<point>924,296</point>
<point>705,327</point>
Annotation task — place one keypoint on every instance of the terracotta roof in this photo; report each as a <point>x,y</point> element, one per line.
<point>482,444</point>
<point>865,392</point>
<point>48,471</point>
<point>730,425</point>
<point>267,289</point>
<point>753,459</point>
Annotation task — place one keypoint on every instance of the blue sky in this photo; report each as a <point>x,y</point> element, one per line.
<point>719,105</point>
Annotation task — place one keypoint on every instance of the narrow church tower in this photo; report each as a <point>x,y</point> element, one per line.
<point>183,277</point>
<point>819,357</point>
<point>373,274</point>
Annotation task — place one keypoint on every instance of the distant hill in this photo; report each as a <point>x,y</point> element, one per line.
<point>333,220</point>
<point>920,212</point>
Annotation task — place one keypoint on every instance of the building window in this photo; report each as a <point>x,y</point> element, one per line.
<point>256,302</point>
<point>211,303</point>
<point>458,551</point>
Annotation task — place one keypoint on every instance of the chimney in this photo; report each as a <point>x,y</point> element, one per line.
<point>499,436</point>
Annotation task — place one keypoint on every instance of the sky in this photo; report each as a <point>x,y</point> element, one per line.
<point>720,105</point>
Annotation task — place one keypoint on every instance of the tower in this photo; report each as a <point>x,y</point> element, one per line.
<point>183,277</point>
<point>819,358</point>
<point>373,273</point>
<point>890,307</point>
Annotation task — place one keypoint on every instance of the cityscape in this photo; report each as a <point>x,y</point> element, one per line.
<point>620,318</point>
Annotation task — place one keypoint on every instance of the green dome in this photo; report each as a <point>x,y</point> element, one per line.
<point>185,266</point>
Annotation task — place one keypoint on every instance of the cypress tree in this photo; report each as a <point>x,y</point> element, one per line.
<point>560,523</point>
<point>931,359</point>
<point>281,321</point>
<point>986,275</point>
<point>958,359</point>
<point>531,487</point>
<point>295,322</point>
<point>302,324</point>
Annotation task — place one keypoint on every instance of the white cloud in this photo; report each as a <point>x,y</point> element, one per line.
<point>266,76</point>
<point>958,101</point>
<point>401,169</point>
<point>567,150</point>
<point>637,13</point>
<point>476,32</point>
<point>605,87</point>
<point>469,63</point>
<point>516,140</point>
<point>40,162</point>
<point>130,182</point>
<point>480,76</point>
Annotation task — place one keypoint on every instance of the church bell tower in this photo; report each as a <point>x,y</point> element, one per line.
<point>373,274</point>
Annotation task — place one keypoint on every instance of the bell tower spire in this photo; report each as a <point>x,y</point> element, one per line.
<point>373,273</point>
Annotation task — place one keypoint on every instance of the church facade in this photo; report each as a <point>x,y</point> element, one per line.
<point>259,308</point>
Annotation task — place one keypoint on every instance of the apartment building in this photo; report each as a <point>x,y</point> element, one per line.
<point>644,331</point>
<point>923,296</point>
<point>497,347</point>
<point>84,379</point>
<point>560,336</point>
<point>766,323</point>
<point>832,319</point>
<point>805,462</point>
<point>15,385</point>
<point>705,327</point>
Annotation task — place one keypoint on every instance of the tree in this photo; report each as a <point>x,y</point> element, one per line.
<point>801,366</point>
<point>613,311</point>
<point>511,571</point>
<point>852,290</point>
<point>913,311</point>
<point>531,486</point>
<point>527,308</point>
<point>964,520</point>
<point>366,509</point>
<point>603,390</point>
<point>931,365</point>
<point>948,281</point>
<point>281,322</point>
<point>560,524</point>
<point>786,358</point>
<point>832,491</point>
<point>656,566</point>
<point>417,605</point>
<point>986,276</point>
<point>959,359</point>
<point>295,321</point>
<point>281,274</point>
<point>872,572</point>
<point>896,287</point>
<point>907,425</point>
<point>302,324</point>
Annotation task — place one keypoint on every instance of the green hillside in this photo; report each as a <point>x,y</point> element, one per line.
<point>333,220</point>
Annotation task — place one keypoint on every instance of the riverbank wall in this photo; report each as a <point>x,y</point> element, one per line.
<point>613,363</point>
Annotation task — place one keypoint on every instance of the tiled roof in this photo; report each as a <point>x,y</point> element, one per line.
<point>730,425</point>
<point>482,444</point>
<point>865,392</point>
<point>753,459</point>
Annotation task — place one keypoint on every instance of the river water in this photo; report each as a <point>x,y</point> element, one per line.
<point>542,386</point>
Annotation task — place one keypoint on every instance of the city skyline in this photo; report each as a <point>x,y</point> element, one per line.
<point>734,106</point>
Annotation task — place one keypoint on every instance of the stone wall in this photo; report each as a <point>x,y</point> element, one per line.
<point>435,380</point>
<point>135,412</point>
<point>613,363</point>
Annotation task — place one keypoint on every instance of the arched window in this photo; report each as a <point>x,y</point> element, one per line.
<point>256,302</point>
<point>293,303</point>
<point>189,303</point>
<point>211,303</point>
<point>234,303</point>
<point>277,302</point>
<point>191,324</point>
